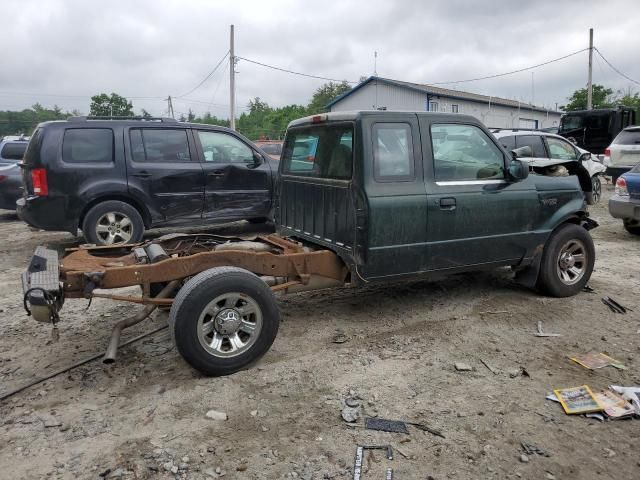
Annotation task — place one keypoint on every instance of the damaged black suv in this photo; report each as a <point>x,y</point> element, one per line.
<point>113,178</point>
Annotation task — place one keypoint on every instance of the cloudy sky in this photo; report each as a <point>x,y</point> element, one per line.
<point>63,51</point>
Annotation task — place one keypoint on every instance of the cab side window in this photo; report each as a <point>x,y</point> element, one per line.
<point>533,141</point>
<point>159,145</point>
<point>464,152</point>
<point>561,149</point>
<point>393,158</point>
<point>219,147</point>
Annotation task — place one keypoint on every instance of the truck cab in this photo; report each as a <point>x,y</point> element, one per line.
<point>402,194</point>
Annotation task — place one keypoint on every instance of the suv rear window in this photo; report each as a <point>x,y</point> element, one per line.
<point>87,145</point>
<point>13,150</point>
<point>627,137</point>
<point>323,152</point>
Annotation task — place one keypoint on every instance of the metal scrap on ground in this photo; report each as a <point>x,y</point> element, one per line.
<point>540,333</point>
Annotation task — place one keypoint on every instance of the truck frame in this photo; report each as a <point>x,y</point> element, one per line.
<point>338,226</point>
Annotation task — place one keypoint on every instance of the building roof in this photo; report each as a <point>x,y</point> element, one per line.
<point>443,92</point>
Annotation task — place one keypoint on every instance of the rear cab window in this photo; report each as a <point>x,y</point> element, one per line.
<point>628,137</point>
<point>87,145</point>
<point>393,158</point>
<point>13,151</point>
<point>324,151</point>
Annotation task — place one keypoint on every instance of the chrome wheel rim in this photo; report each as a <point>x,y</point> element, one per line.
<point>596,189</point>
<point>572,262</point>
<point>113,228</point>
<point>229,325</point>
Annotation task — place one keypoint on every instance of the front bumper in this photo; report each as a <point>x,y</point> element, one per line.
<point>46,213</point>
<point>624,207</point>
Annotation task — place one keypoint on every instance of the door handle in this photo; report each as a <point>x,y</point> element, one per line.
<point>216,173</point>
<point>142,174</point>
<point>448,203</point>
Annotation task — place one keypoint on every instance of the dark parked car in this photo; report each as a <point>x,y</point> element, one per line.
<point>11,152</point>
<point>625,204</point>
<point>273,148</point>
<point>115,178</point>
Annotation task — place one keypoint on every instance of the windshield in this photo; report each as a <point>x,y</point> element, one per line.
<point>571,122</point>
<point>324,151</point>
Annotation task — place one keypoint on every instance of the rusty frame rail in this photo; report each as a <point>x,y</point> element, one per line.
<point>82,272</point>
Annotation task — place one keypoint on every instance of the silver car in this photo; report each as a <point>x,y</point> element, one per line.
<point>623,153</point>
<point>11,152</point>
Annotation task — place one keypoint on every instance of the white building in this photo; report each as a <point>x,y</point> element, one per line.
<point>376,93</point>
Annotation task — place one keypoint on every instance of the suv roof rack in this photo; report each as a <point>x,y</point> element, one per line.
<point>493,130</point>
<point>107,117</point>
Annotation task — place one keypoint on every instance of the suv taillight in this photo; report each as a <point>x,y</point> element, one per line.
<point>39,182</point>
<point>607,152</point>
<point>621,187</point>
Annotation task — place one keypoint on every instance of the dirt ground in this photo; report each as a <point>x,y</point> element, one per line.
<point>145,416</point>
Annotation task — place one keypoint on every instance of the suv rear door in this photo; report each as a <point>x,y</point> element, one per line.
<point>164,173</point>
<point>237,179</point>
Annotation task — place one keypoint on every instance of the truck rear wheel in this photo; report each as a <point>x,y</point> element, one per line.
<point>567,261</point>
<point>223,319</point>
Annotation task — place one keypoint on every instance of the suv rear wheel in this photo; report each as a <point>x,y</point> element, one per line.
<point>567,261</point>
<point>632,227</point>
<point>111,223</point>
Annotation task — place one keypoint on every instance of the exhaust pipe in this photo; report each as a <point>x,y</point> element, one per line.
<point>112,350</point>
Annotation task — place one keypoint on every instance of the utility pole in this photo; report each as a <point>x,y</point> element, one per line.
<point>170,107</point>
<point>589,84</point>
<point>232,82</point>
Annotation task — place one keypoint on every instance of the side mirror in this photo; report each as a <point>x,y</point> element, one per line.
<point>585,157</point>
<point>518,170</point>
<point>255,161</point>
<point>523,152</point>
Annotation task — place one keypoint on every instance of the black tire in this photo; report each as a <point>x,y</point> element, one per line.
<point>550,278</point>
<point>197,296</point>
<point>121,210</point>
<point>614,179</point>
<point>594,196</point>
<point>632,228</point>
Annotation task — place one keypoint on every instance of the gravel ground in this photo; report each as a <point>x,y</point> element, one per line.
<point>145,416</point>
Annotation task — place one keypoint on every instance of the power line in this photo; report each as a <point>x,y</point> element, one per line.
<point>294,73</point>
<point>512,72</point>
<point>205,78</point>
<point>615,69</point>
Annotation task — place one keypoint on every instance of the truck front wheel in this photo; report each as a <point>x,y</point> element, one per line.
<point>223,319</point>
<point>567,261</point>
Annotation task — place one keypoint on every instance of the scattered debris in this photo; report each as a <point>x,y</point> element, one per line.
<point>350,414</point>
<point>578,400</point>
<point>359,458</point>
<point>531,449</point>
<point>540,333</point>
<point>614,306</point>
<point>426,428</point>
<point>524,458</point>
<point>588,289</point>
<point>493,370</point>
<point>595,416</point>
<point>594,360</point>
<point>519,372</point>
<point>340,338</point>
<point>463,367</point>
<point>384,425</point>
<point>631,394</point>
<point>215,415</point>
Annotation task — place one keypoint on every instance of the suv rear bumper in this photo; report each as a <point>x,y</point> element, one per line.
<point>624,207</point>
<point>45,213</point>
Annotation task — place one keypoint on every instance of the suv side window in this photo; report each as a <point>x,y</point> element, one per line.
<point>159,145</point>
<point>508,142</point>
<point>533,141</point>
<point>87,145</point>
<point>560,149</point>
<point>393,158</point>
<point>219,147</point>
<point>464,152</point>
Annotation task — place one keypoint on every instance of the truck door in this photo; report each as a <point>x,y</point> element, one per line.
<point>237,178</point>
<point>475,214</point>
<point>163,172</point>
<point>394,184</point>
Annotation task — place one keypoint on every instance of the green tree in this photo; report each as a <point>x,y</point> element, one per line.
<point>602,97</point>
<point>104,105</point>
<point>324,94</point>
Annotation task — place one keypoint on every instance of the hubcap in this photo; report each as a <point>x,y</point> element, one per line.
<point>114,227</point>
<point>572,262</point>
<point>596,189</point>
<point>229,325</point>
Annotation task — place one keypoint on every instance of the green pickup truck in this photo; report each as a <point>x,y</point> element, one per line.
<point>362,197</point>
